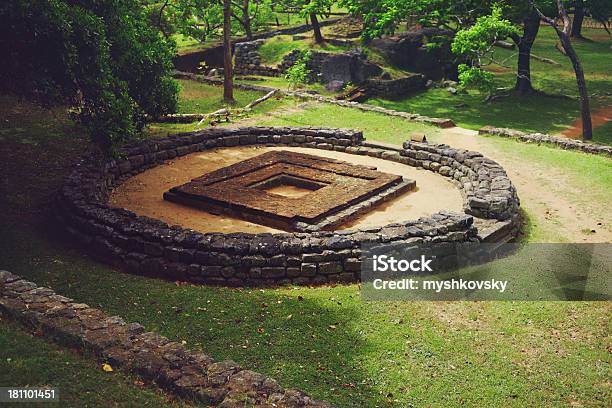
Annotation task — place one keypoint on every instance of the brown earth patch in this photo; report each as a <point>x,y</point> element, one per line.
<point>599,118</point>
<point>143,194</point>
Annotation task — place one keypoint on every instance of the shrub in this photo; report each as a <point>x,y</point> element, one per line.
<point>100,57</point>
<point>298,73</point>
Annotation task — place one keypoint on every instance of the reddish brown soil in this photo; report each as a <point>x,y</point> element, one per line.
<point>599,118</point>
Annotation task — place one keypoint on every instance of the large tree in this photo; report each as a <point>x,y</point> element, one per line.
<point>563,31</point>
<point>310,9</point>
<point>101,58</point>
<point>600,10</point>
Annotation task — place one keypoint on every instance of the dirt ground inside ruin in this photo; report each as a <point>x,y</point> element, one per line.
<point>143,193</point>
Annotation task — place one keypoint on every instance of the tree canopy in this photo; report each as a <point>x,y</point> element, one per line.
<point>101,58</point>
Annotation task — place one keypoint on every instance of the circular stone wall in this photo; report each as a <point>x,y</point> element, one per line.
<point>151,247</point>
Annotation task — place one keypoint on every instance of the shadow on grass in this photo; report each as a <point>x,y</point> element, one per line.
<point>300,336</point>
<point>535,113</point>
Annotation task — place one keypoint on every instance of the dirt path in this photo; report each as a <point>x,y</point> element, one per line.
<point>599,118</point>
<point>545,192</point>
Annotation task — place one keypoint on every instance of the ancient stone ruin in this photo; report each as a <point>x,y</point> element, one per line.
<point>148,246</point>
<point>323,192</point>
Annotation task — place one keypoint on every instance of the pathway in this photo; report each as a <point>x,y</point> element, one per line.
<point>546,192</point>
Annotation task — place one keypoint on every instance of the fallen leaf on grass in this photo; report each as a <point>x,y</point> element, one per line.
<point>107,368</point>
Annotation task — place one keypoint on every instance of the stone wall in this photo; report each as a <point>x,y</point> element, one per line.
<point>150,247</point>
<point>213,56</point>
<point>187,374</point>
<point>394,88</point>
<point>248,62</point>
<point>245,53</point>
<point>562,142</point>
<point>351,66</point>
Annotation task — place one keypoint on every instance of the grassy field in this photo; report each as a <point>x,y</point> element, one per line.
<point>274,49</point>
<point>536,113</point>
<point>326,341</point>
<point>197,97</point>
<point>27,360</point>
<point>282,83</point>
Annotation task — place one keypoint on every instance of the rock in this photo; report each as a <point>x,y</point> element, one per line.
<point>385,75</point>
<point>452,90</point>
<point>409,51</point>
<point>351,66</point>
<point>335,86</point>
<point>348,67</point>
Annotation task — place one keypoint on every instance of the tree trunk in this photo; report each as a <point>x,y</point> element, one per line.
<point>246,19</point>
<point>566,43</point>
<point>578,19</point>
<point>585,110</point>
<point>531,25</point>
<point>228,74</point>
<point>316,28</point>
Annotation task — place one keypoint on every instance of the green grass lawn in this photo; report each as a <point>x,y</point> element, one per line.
<point>282,83</point>
<point>374,125</point>
<point>331,344</point>
<point>325,341</point>
<point>26,360</point>
<point>534,113</point>
<point>603,134</point>
<point>274,49</point>
<point>198,97</point>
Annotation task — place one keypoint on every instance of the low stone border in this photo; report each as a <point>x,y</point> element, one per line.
<point>169,364</point>
<point>564,143</point>
<point>150,247</point>
<point>438,122</point>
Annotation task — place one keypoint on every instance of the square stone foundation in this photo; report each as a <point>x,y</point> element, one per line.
<point>291,191</point>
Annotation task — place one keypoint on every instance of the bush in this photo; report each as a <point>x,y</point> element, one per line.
<point>298,73</point>
<point>478,78</point>
<point>100,57</point>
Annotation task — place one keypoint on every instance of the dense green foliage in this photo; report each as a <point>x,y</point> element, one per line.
<point>298,73</point>
<point>476,41</point>
<point>384,17</point>
<point>203,19</point>
<point>102,58</point>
